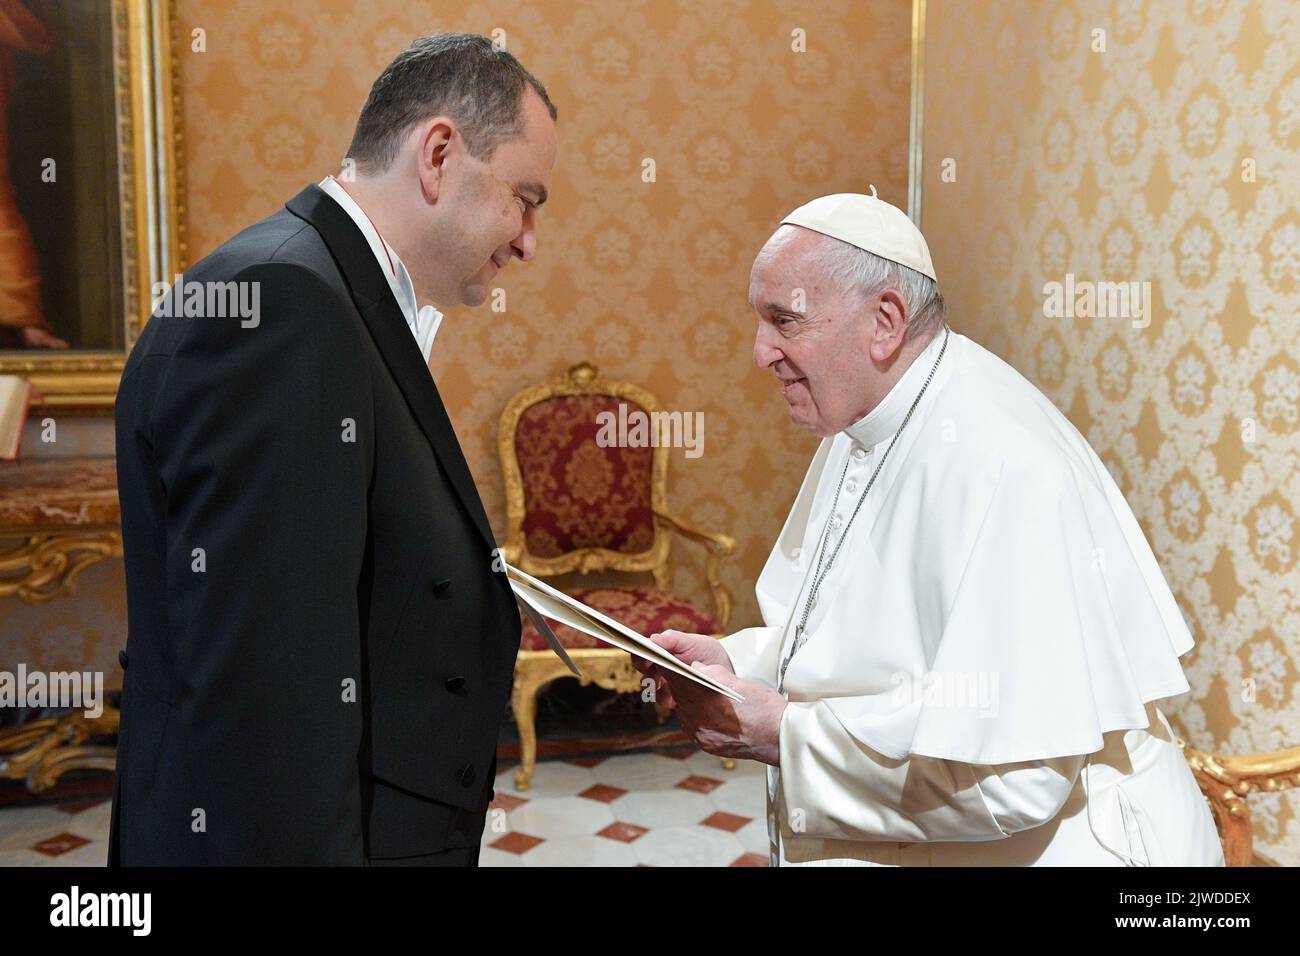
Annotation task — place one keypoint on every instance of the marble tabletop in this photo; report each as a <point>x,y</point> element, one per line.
<point>53,494</point>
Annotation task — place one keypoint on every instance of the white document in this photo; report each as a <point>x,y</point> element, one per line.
<point>538,598</point>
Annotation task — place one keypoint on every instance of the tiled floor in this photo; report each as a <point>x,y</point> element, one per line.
<point>657,809</point>
<point>64,834</point>
<point>666,808</point>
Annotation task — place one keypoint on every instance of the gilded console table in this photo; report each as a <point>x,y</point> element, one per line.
<point>58,516</point>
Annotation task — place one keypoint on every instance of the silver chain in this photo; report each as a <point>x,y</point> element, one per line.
<point>819,573</point>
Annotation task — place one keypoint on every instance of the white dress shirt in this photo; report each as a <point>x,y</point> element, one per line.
<point>423,322</point>
<point>994,547</point>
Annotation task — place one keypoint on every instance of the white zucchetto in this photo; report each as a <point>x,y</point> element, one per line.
<point>869,223</point>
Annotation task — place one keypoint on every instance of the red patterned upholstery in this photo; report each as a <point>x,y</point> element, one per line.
<point>645,610</point>
<point>576,493</point>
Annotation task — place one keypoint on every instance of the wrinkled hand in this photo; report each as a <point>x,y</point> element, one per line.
<point>749,730</point>
<point>687,648</point>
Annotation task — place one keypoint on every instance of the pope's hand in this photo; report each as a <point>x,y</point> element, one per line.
<point>687,648</point>
<point>750,730</point>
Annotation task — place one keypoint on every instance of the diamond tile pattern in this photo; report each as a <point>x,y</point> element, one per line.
<point>603,792</point>
<point>623,832</point>
<point>726,821</point>
<point>700,784</point>
<point>60,844</point>
<point>670,808</point>
<point>673,807</point>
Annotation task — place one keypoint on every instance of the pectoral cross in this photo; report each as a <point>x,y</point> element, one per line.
<point>833,522</point>
<point>799,639</point>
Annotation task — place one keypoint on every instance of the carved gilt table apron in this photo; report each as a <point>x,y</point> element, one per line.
<point>58,516</point>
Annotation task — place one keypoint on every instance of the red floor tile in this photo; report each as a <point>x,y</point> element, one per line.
<point>623,832</point>
<point>603,792</point>
<point>725,821</point>
<point>700,784</point>
<point>751,859</point>
<point>59,845</point>
<point>516,843</point>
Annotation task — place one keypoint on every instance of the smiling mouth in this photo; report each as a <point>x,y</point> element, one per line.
<point>787,384</point>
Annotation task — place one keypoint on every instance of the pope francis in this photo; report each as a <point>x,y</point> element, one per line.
<point>965,631</point>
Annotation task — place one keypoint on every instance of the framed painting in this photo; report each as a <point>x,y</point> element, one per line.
<point>90,215</point>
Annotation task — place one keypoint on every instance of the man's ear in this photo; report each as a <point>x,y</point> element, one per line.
<point>890,326</point>
<point>434,147</point>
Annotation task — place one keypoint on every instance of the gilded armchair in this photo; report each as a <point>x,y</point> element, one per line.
<point>1227,781</point>
<point>574,503</point>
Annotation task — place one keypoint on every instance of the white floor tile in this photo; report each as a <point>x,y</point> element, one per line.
<point>647,771</point>
<point>25,858</point>
<point>92,824</point>
<point>753,836</point>
<point>551,817</point>
<point>743,796</point>
<point>688,846</point>
<point>490,857</point>
<point>552,778</point>
<point>581,851</point>
<point>662,808</point>
<point>24,826</point>
<point>92,854</point>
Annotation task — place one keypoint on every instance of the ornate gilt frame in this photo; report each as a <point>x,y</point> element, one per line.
<point>151,184</point>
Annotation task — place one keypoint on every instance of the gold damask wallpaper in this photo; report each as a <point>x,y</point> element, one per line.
<point>1164,150</point>
<point>1161,150</point>
<point>648,281</point>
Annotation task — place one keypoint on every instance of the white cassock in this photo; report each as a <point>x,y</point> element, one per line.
<point>978,680</point>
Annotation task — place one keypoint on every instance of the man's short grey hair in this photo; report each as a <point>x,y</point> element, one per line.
<point>867,273</point>
<point>460,75</point>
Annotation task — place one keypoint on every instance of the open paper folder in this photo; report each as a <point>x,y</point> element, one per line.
<point>539,601</point>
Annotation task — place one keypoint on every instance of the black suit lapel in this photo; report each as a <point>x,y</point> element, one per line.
<point>383,316</point>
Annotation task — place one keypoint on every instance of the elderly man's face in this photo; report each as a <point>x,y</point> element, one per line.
<point>812,334</point>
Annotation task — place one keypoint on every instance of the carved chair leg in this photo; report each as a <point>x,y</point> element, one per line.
<point>524,704</point>
<point>530,678</point>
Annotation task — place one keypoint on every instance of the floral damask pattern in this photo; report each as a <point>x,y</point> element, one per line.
<point>578,494</point>
<point>1170,158</point>
<point>647,280</point>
